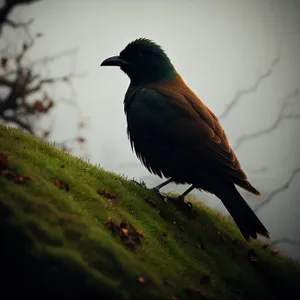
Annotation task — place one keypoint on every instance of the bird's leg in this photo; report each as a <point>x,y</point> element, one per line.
<point>142,183</point>
<point>181,197</point>
<point>158,187</point>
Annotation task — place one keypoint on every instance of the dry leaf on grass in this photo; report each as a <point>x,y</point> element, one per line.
<point>126,233</point>
<point>62,185</point>
<point>8,174</point>
<point>106,194</point>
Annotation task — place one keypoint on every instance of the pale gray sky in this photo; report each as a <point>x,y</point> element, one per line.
<point>218,47</point>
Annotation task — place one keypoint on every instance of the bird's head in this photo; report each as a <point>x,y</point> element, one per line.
<point>143,61</point>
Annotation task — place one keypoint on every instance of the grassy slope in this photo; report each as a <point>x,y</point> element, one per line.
<point>55,242</point>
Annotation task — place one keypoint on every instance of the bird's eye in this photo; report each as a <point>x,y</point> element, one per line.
<point>139,54</point>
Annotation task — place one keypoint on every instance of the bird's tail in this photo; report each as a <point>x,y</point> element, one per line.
<point>243,215</point>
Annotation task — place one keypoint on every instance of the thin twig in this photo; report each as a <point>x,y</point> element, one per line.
<point>280,117</point>
<point>240,93</point>
<point>277,191</point>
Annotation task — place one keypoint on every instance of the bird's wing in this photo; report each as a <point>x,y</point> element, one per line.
<point>177,113</point>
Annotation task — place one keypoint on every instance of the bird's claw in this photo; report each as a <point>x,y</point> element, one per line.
<point>142,183</point>
<point>181,200</point>
<point>181,205</point>
<point>156,191</point>
<point>159,194</point>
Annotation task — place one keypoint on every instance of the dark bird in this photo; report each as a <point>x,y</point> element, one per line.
<point>177,136</point>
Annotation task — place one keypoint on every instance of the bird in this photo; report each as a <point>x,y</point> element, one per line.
<point>176,136</point>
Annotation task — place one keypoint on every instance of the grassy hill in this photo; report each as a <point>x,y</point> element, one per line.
<point>71,229</point>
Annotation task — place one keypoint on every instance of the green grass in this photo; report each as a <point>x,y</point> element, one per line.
<point>56,242</point>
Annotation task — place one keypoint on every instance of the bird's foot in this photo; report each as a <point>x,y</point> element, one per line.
<point>159,194</point>
<point>155,190</point>
<point>142,184</point>
<point>181,200</point>
<point>180,204</point>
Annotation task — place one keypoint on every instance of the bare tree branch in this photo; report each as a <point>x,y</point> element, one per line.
<point>275,192</point>
<point>44,81</point>
<point>7,8</point>
<point>6,82</point>
<point>19,122</point>
<point>45,60</point>
<point>240,93</point>
<point>51,58</point>
<point>281,116</point>
<point>25,85</point>
<point>14,24</point>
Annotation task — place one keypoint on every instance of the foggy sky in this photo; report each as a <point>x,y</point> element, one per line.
<point>218,47</point>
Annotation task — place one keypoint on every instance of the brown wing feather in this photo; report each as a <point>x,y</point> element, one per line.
<point>206,127</point>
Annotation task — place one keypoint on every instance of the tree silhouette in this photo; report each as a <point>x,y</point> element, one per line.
<point>26,89</point>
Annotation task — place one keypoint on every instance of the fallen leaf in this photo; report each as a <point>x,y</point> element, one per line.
<point>128,235</point>
<point>124,231</point>
<point>61,185</point>
<point>141,279</point>
<point>13,176</point>
<point>106,195</point>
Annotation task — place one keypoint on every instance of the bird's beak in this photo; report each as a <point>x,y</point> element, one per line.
<point>114,61</point>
